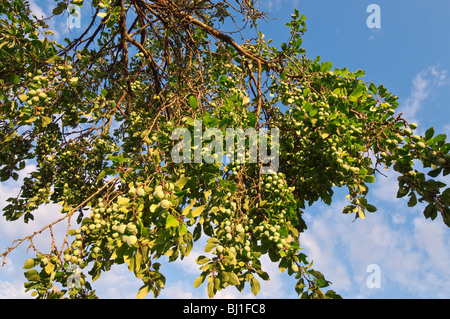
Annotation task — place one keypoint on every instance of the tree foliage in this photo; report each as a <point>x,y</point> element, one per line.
<point>96,114</point>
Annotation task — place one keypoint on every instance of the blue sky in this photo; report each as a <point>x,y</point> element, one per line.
<point>409,54</point>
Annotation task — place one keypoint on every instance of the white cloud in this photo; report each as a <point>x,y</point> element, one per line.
<point>179,290</point>
<point>413,256</point>
<point>37,10</point>
<point>275,5</point>
<point>14,290</point>
<point>424,86</point>
<point>118,283</point>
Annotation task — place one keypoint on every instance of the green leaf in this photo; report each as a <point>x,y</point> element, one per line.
<point>101,175</point>
<point>413,200</point>
<point>197,211</point>
<point>373,89</point>
<point>307,106</point>
<point>440,138</point>
<point>45,120</point>
<point>210,289</point>
<point>30,263</point>
<point>369,179</point>
<point>32,275</point>
<point>370,208</point>
<point>119,158</point>
<point>23,97</point>
<point>233,279</point>
<point>201,260</point>
<point>435,172</point>
<point>198,281</point>
<point>49,268</point>
<point>210,246</point>
<point>355,95</point>
<point>14,78</point>
<point>60,8</point>
<point>263,275</point>
<point>430,211</point>
<point>429,133</point>
<point>254,286</point>
<point>325,67</point>
<point>193,102</point>
<point>31,119</point>
<point>142,293</point>
<point>10,136</point>
<point>181,182</point>
<point>171,221</point>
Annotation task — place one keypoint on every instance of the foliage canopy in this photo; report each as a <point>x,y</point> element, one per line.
<point>97,113</point>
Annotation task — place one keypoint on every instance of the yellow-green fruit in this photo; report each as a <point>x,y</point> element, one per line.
<point>158,194</point>
<point>140,192</point>
<point>165,204</point>
<point>441,161</point>
<point>131,227</point>
<point>132,191</point>
<point>121,228</point>
<point>131,240</point>
<point>413,126</point>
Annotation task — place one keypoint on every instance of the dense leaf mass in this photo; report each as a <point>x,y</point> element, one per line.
<point>97,114</point>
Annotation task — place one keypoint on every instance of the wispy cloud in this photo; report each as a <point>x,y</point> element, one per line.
<point>275,5</point>
<point>412,256</point>
<point>424,87</point>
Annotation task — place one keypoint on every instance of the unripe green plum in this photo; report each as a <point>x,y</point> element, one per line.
<point>121,229</point>
<point>140,192</point>
<point>441,161</point>
<point>131,240</point>
<point>165,204</point>
<point>421,144</point>
<point>131,227</point>
<point>158,194</point>
<point>239,228</point>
